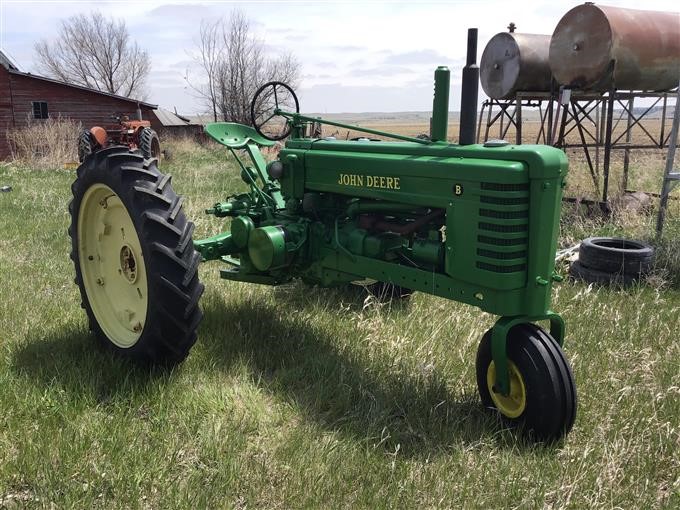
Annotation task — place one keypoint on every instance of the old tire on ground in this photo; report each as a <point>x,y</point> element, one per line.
<point>580,272</point>
<point>86,145</point>
<point>542,397</point>
<point>134,258</point>
<point>149,144</point>
<point>616,255</point>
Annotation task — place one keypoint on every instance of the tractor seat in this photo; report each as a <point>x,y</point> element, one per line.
<point>235,136</point>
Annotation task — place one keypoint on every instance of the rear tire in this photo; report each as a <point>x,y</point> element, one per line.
<point>86,145</point>
<point>149,144</point>
<point>135,262</point>
<point>542,397</point>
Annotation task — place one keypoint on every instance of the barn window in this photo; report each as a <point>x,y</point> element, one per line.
<point>40,110</point>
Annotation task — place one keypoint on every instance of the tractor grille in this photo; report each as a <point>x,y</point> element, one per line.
<point>496,186</point>
<point>503,201</point>
<point>503,227</point>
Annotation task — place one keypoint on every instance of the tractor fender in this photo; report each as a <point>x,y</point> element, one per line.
<point>100,135</point>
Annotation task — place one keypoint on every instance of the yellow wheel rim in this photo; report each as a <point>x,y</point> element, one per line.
<point>515,402</point>
<point>112,266</point>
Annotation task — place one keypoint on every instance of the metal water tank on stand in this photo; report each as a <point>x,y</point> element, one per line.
<point>514,62</point>
<point>601,48</point>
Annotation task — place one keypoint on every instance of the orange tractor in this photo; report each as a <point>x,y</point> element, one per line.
<point>135,134</point>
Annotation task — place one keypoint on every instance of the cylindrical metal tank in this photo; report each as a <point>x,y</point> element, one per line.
<point>514,62</point>
<point>595,47</point>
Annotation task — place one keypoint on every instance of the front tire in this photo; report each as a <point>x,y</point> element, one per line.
<point>135,263</point>
<point>542,396</point>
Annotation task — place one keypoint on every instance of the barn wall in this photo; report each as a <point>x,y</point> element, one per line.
<point>5,112</point>
<point>156,124</point>
<point>88,108</point>
<point>62,100</point>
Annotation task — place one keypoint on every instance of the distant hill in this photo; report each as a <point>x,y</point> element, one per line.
<point>528,114</point>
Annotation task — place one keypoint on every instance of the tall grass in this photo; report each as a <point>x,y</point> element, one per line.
<point>297,397</point>
<point>45,144</point>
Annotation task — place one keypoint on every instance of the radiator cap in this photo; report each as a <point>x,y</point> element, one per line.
<point>496,143</point>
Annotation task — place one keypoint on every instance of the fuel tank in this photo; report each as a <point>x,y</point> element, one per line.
<point>597,47</point>
<point>514,62</point>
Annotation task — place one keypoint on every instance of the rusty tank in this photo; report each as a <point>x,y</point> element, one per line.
<point>514,62</point>
<point>599,47</point>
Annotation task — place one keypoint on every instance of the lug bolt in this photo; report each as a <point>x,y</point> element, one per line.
<point>100,281</point>
<point>137,327</point>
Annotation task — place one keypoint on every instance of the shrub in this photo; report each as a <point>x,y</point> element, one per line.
<point>45,144</point>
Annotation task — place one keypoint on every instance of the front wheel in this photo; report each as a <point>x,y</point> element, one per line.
<point>542,397</point>
<point>134,258</point>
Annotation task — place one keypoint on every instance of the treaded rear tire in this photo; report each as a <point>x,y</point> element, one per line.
<point>171,262</point>
<point>86,145</point>
<point>149,144</point>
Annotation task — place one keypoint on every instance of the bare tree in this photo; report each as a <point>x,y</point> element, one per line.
<point>96,52</point>
<point>209,57</point>
<point>234,66</point>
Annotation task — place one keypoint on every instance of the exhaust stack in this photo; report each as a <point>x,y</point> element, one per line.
<point>469,92</point>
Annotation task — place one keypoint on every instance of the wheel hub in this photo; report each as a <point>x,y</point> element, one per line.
<point>514,403</point>
<point>128,264</point>
<point>112,266</point>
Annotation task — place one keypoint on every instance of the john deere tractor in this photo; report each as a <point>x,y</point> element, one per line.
<point>471,223</point>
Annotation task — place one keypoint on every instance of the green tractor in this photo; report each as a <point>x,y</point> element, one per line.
<point>471,223</point>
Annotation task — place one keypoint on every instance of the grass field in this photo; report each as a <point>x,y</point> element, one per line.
<point>308,398</point>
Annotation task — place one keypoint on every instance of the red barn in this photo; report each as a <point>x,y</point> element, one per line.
<point>26,97</point>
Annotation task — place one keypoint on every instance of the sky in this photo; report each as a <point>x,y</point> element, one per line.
<point>355,56</point>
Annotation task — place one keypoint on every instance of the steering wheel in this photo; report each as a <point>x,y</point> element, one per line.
<point>270,97</point>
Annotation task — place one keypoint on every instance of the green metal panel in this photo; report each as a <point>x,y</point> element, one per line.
<point>501,206</point>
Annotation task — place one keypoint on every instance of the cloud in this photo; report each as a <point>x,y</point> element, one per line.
<point>282,31</point>
<point>380,71</point>
<point>336,97</point>
<point>348,47</point>
<point>311,76</point>
<point>182,64</point>
<point>417,57</point>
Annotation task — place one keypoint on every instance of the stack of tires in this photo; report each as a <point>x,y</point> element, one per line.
<point>612,260</point>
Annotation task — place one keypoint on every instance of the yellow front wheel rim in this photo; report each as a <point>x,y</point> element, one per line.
<point>112,266</point>
<point>513,404</point>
